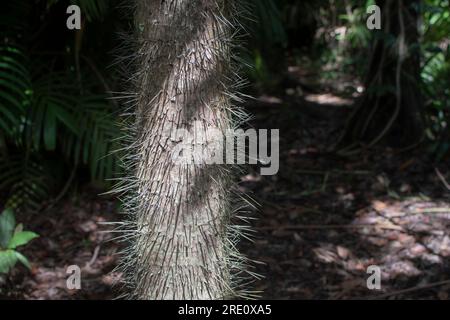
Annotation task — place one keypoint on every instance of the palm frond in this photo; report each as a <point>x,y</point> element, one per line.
<point>95,140</point>
<point>15,88</point>
<point>26,181</point>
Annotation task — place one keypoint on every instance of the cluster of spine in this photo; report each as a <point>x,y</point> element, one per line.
<point>183,221</point>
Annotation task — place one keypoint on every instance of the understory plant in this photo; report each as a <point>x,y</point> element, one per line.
<point>12,236</point>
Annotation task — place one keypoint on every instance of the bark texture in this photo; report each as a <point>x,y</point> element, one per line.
<point>180,215</point>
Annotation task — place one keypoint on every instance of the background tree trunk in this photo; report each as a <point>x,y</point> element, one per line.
<point>182,248</point>
<point>391,109</point>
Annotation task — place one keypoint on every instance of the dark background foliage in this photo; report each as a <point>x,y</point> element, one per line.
<point>60,123</point>
<point>55,113</point>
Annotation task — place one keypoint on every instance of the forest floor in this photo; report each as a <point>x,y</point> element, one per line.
<point>322,220</point>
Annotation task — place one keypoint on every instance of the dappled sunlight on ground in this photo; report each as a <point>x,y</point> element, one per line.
<point>412,234</point>
<point>324,219</point>
<point>410,239</point>
<point>321,222</point>
<point>328,98</point>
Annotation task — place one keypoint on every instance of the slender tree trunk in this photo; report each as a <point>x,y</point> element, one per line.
<point>182,248</point>
<point>391,110</point>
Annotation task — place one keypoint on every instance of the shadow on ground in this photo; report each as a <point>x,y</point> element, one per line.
<point>324,220</point>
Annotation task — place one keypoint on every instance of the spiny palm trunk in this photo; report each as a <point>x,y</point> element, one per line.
<point>182,211</point>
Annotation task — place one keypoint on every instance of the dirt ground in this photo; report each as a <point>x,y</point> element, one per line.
<point>324,220</point>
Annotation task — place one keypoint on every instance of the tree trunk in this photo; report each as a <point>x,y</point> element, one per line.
<point>391,109</point>
<point>183,245</point>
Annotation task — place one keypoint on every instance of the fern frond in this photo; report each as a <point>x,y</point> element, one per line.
<point>15,88</point>
<point>26,180</point>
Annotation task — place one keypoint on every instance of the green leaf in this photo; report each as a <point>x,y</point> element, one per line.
<point>66,118</point>
<point>38,121</point>
<point>7,224</point>
<point>50,129</point>
<point>9,110</point>
<point>23,259</point>
<point>19,228</point>
<point>8,260</point>
<point>21,238</point>
<point>26,179</point>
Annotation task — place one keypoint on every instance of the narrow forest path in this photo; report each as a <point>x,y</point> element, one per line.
<point>324,219</point>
